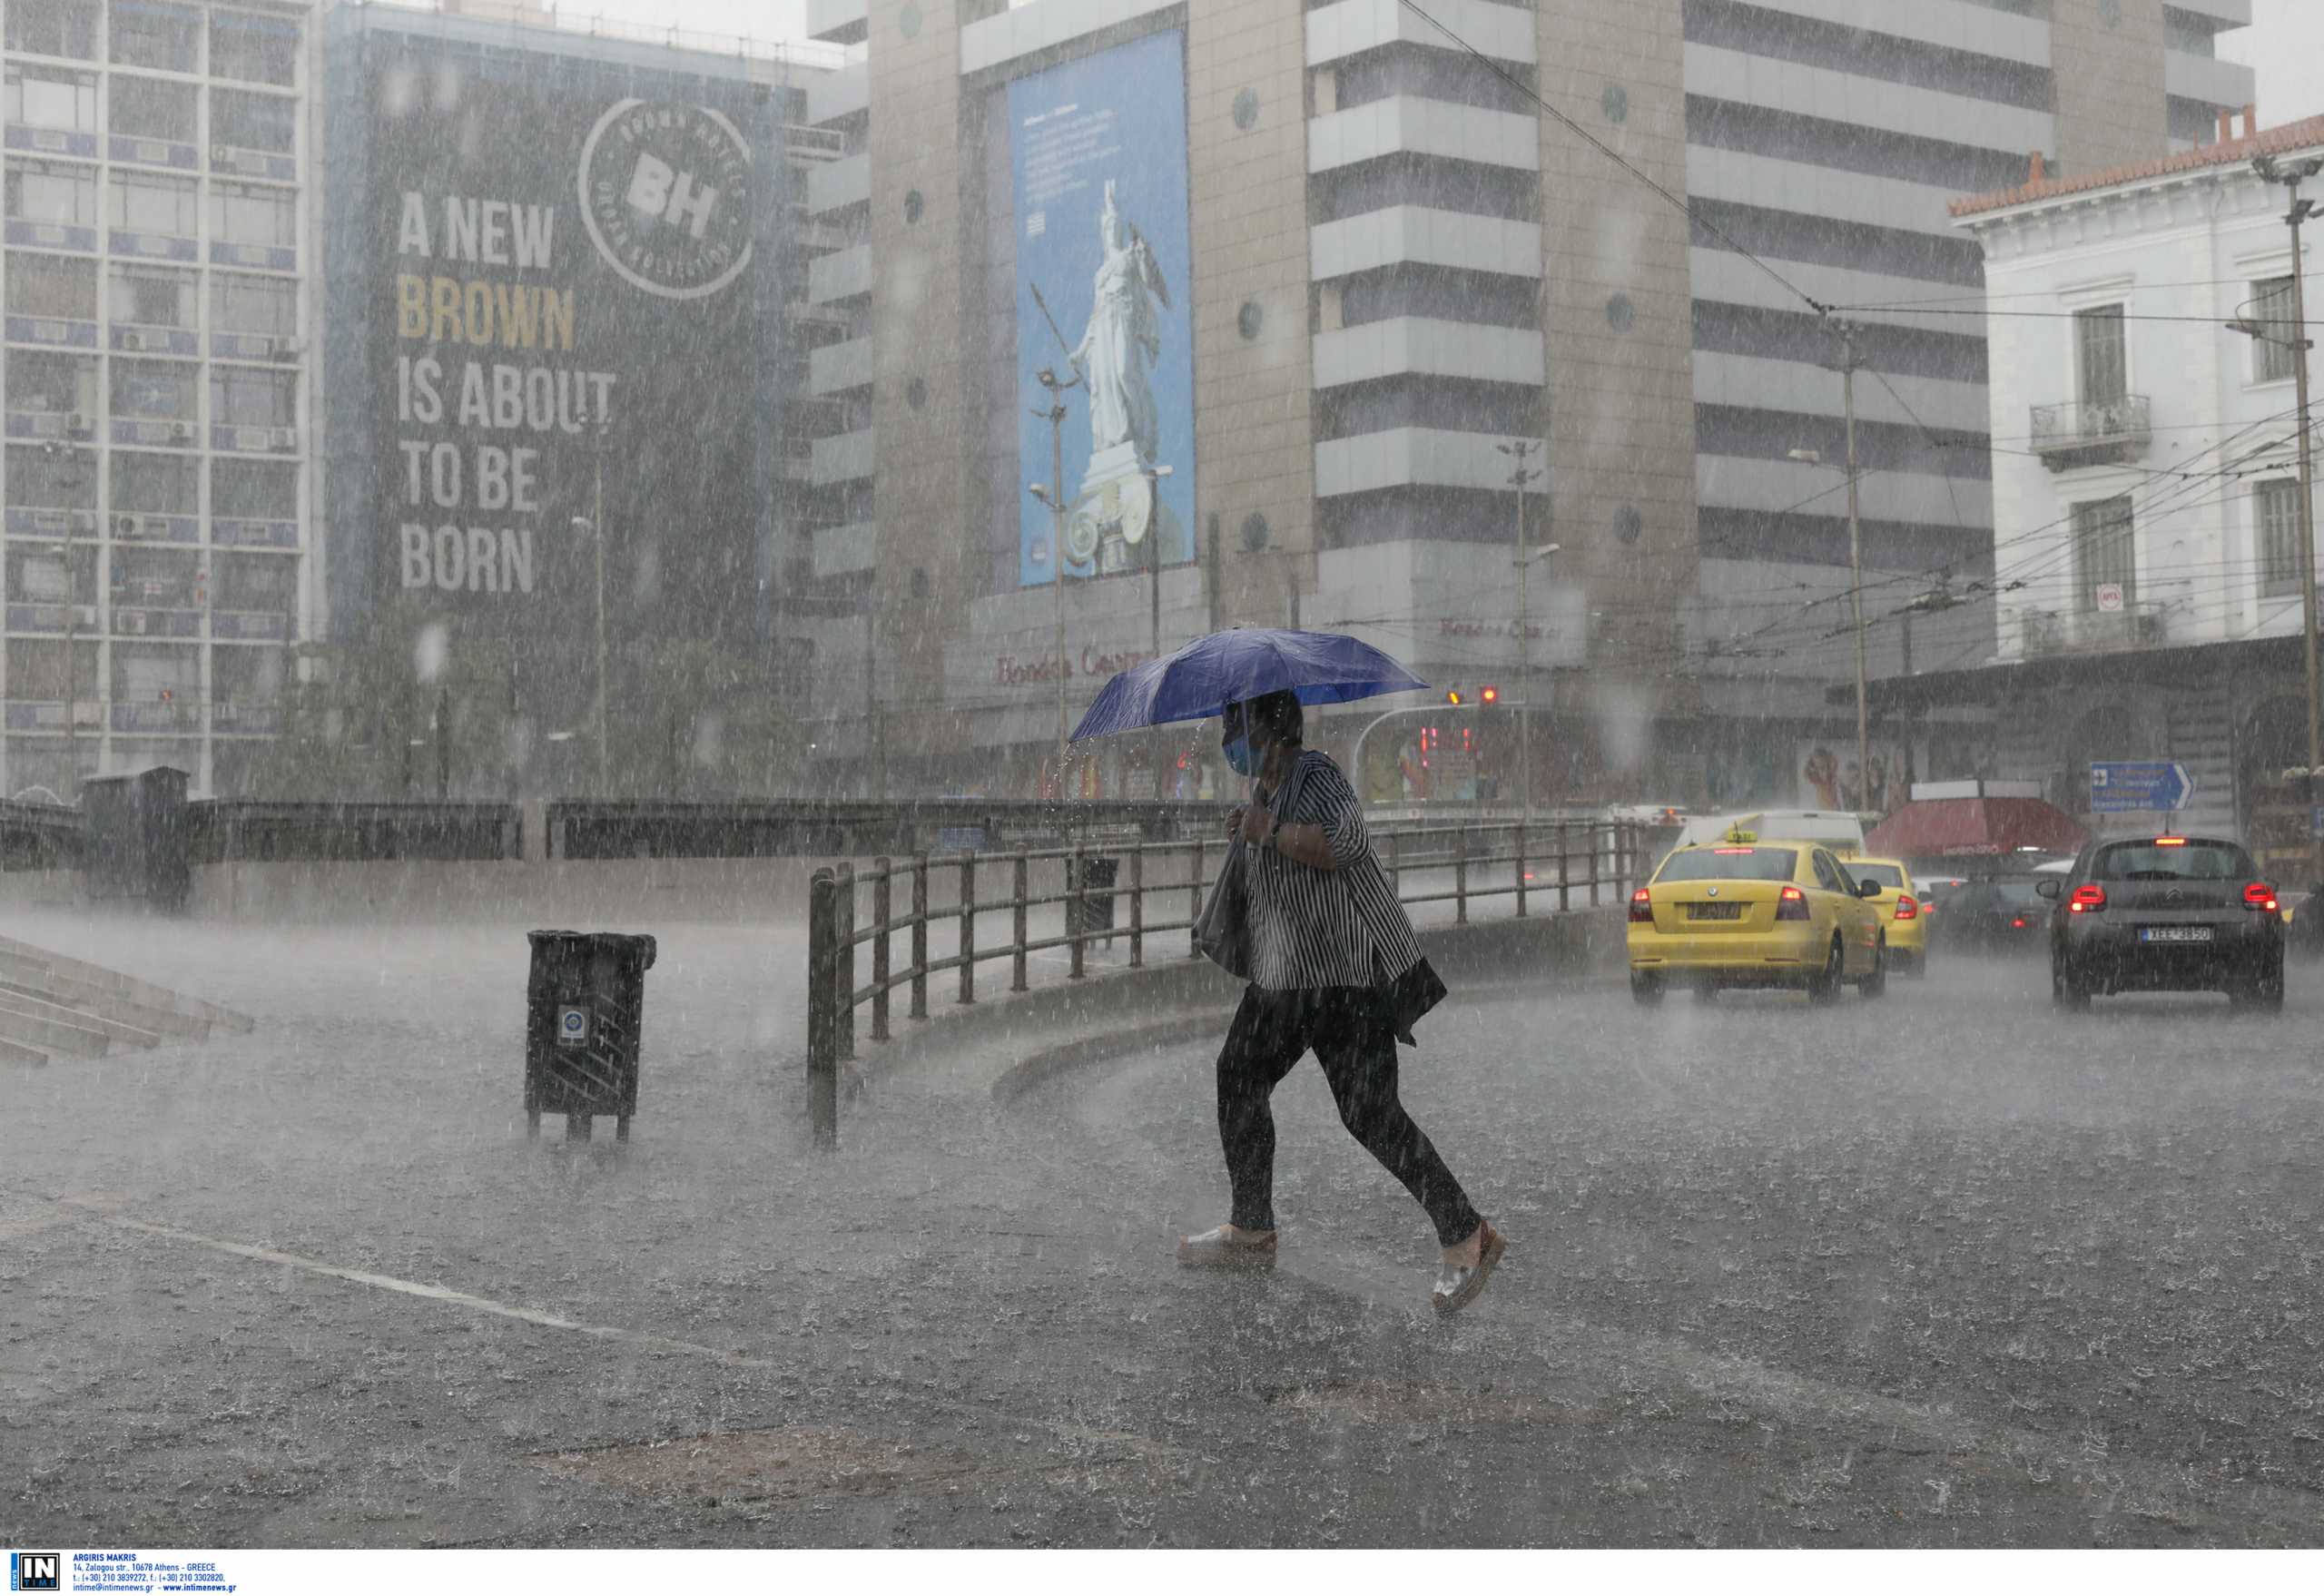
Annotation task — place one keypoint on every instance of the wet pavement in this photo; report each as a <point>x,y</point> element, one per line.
<point>1948,1268</point>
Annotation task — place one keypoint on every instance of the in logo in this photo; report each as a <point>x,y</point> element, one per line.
<point>665,196</point>
<point>36,1570</point>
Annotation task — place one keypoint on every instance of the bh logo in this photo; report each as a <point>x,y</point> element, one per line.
<point>571,1028</point>
<point>36,1570</point>
<point>665,193</point>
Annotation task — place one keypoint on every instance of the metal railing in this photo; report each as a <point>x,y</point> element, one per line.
<point>2123,423</point>
<point>1576,864</point>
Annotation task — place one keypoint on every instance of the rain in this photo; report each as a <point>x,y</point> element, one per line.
<point>1153,774</point>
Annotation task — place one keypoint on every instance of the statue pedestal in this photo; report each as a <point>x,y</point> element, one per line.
<point>1111,465</point>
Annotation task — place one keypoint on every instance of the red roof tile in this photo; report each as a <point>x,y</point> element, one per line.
<point>2274,141</point>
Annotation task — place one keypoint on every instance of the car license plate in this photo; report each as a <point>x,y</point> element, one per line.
<point>1713,911</point>
<point>2174,934</point>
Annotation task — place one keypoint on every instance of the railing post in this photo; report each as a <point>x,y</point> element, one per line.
<point>1461,875</point>
<point>1565,860</point>
<point>1076,888</point>
<point>1520,869</point>
<point>1197,881</point>
<point>1593,867</point>
<point>822,1028</point>
<point>919,936</point>
<point>881,904</point>
<point>1136,905</point>
<point>843,917</point>
<point>1023,876</point>
<point>968,928</point>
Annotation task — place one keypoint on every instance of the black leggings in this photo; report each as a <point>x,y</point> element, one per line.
<point>1271,1033</point>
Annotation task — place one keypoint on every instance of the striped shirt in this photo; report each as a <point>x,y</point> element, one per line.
<point>1320,928</point>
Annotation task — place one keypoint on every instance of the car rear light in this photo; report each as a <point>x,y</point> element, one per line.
<point>2259,895</point>
<point>2088,899</point>
<point>2171,842</point>
<point>2019,923</point>
<point>1641,907</point>
<point>1907,909</point>
<point>1792,905</point>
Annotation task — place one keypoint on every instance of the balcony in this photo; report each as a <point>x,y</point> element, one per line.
<point>2081,434</point>
<point>2055,632</point>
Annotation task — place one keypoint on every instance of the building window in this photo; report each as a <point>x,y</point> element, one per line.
<point>137,204</point>
<point>146,298</point>
<point>254,49</point>
<point>254,122</point>
<point>254,396</point>
<point>151,108</point>
<point>155,484</point>
<point>54,27</point>
<point>240,214</point>
<point>49,96</point>
<point>46,285</point>
<point>154,390</point>
<point>268,305</point>
<point>256,490</point>
<point>2273,357</point>
<point>2101,359</point>
<point>148,34</point>
<point>2275,509</point>
<point>52,384</point>
<point>49,478</point>
<point>268,584</point>
<point>39,192</point>
<point>2106,552</point>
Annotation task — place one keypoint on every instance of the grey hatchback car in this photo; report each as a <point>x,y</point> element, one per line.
<point>2165,915</point>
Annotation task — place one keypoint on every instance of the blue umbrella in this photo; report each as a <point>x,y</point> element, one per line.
<point>1207,674</point>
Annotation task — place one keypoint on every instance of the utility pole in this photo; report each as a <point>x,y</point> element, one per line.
<point>1849,362</point>
<point>1517,449</point>
<point>2291,176</point>
<point>71,477</point>
<point>1053,495</point>
<point>594,524</point>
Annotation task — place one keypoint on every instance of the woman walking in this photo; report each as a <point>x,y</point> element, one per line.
<point>1335,968</point>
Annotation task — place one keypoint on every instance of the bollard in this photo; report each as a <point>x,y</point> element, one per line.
<point>1520,869</point>
<point>919,936</point>
<point>880,907</point>
<point>1076,887</point>
<point>968,928</point>
<point>1024,875</point>
<point>843,949</point>
<point>1136,905</point>
<point>1565,853</point>
<point>823,983</point>
<point>1461,877</point>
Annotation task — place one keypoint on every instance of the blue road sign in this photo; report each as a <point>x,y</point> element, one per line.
<point>2120,786</point>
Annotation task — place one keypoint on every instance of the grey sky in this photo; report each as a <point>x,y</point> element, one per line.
<point>2286,43</point>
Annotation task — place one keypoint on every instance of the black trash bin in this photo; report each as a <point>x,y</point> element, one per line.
<point>584,1003</point>
<point>1096,879</point>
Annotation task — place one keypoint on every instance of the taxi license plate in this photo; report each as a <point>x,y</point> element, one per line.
<point>2174,934</point>
<point>1713,911</point>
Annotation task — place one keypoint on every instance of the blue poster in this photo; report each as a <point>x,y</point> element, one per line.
<point>1105,300</point>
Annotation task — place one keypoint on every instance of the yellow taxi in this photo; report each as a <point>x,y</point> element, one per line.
<point>1901,913</point>
<point>1744,913</point>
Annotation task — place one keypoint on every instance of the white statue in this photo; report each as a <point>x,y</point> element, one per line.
<point>1119,348</point>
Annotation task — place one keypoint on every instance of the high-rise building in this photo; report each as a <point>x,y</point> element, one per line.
<point>1379,281</point>
<point>157,371</point>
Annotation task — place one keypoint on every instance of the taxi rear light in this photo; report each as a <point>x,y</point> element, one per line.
<point>2259,895</point>
<point>1641,907</point>
<point>2171,842</point>
<point>1730,850</point>
<point>2019,923</point>
<point>1908,909</point>
<point>1792,905</point>
<point>2088,899</point>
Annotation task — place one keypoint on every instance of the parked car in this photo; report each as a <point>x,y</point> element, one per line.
<point>1997,914</point>
<point>2175,914</point>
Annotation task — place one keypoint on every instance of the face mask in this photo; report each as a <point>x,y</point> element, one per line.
<point>1241,757</point>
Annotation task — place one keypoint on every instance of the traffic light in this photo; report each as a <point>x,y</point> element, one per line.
<point>1488,696</point>
<point>1454,698</point>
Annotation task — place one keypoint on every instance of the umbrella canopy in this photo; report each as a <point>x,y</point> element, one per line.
<point>1207,674</point>
<point>1970,828</point>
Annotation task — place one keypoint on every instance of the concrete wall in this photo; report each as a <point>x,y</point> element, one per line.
<point>2110,82</point>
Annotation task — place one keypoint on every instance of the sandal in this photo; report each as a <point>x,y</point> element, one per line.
<point>1457,1288</point>
<point>1227,1248</point>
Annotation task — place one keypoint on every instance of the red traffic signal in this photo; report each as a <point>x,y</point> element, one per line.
<point>1489,695</point>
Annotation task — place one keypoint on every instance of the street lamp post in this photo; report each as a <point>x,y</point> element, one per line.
<point>1053,495</point>
<point>59,452</point>
<point>1517,449</point>
<point>1849,363</point>
<point>594,526</point>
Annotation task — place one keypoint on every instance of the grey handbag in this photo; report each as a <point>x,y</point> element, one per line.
<point>1222,930</point>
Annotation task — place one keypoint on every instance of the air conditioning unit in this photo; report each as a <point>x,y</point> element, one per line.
<point>154,525</point>
<point>132,340</point>
<point>282,437</point>
<point>132,622</point>
<point>220,154</point>
<point>78,424</point>
<point>124,525</point>
<point>290,349</point>
<point>181,432</point>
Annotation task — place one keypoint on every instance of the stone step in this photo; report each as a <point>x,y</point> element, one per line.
<point>17,1053</point>
<point>45,1008</point>
<point>55,1035</point>
<point>128,986</point>
<point>30,981</point>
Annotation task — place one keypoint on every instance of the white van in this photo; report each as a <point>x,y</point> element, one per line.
<point>1840,831</point>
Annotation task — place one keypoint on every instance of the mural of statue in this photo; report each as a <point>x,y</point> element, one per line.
<point>1123,339</point>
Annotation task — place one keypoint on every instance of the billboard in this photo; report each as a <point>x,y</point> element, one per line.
<point>1098,159</point>
<point>543,284</point>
